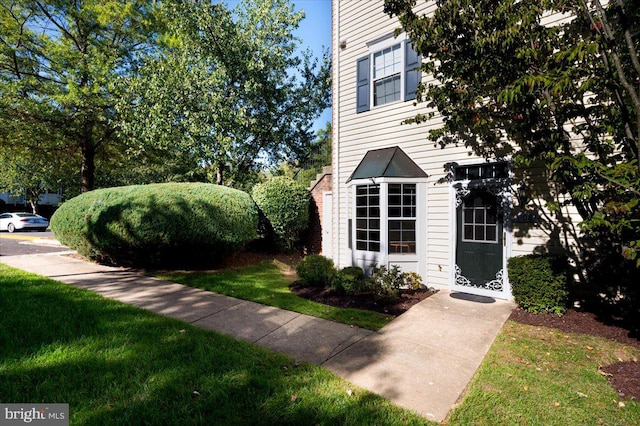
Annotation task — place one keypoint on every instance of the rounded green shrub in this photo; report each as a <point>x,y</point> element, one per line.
<point>316,270</point>
<point>159,224</point>
<point>349,280</point>
<point>285,203</point>
<point>539,283</point>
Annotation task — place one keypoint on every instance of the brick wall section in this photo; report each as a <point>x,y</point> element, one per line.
<point>322,184</point>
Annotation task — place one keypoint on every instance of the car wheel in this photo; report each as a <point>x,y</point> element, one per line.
<point>11,227</point>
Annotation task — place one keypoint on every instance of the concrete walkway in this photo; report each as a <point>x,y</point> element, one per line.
<point>423,360</point>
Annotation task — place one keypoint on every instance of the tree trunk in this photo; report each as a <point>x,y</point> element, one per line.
<point>34,206</point>
<point>88,167</point>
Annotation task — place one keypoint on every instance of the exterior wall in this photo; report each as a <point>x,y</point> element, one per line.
<point>322,185</point>
<point>356,23</point>
<point>47,199</point>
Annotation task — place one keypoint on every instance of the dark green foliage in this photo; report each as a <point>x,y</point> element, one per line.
<point>285,203</point>
<point>539,283</point>
<point>157,224</point>
<point>316,270</point>
<point>350,280</point>
<point>386,283</point>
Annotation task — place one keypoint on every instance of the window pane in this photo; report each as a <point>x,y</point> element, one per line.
<point>361,212</point>
<point>491,233</point>
<point>468,232</point>
<point>467,215</point>
<point>374,224</point>
<point>374,211</point>
<point>394,211</point>
<point>479,233</point>
<point>479,213</point>
<point>374,246</point>
<point>394,236</point>
<point>409,212</point>
<point>394,200</point>
<point>361,223</point>
<point>386,90</point>
<point>361,245</point>
<point>394,224</point>
<point>374,235</point>
<point>394,188</point>
<point>409,199</point>
<point>361,235</point>
<point>473,172</point>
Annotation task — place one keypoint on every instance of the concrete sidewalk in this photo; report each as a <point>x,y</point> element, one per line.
<point>423,360</point>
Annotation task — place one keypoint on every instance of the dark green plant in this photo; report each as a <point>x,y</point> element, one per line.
<point>157,224</point>
<point>285,203</point>
<point>386,282</point>
<point>316,270</point>
<point>350,280</point>
<point>539,283</point>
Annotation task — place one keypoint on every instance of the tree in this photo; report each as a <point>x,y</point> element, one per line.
<point>61,63</point>
<point>228,88</point>
<point>305,168</point>
<point>564,96</point>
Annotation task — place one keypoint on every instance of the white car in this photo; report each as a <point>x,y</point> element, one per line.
<point>25,221</point>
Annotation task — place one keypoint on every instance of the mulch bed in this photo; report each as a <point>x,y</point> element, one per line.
<point>623,376</point>
<point>366,301</point>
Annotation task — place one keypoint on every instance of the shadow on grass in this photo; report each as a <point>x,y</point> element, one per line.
<point>116,364</point>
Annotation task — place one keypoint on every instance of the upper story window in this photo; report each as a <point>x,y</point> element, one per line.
<point>387,67</point>
<point>389,73</point>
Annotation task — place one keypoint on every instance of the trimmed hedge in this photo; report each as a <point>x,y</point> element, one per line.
<point>285,203</point>
<point>539,283</point>
<point>159,224</point>
<point>316,270</point>
<point>350,280</point>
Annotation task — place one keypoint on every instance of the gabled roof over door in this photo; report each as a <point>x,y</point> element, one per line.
<point>387,162</point>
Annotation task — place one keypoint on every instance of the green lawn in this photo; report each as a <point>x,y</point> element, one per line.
<point>266,283</point>
<point>542,376</point>
<point>116,364</point>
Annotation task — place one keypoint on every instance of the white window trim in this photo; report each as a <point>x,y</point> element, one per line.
<point>383,257</point>
<point>377,46</point>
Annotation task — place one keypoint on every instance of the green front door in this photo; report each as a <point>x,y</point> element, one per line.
<point>479,244</point>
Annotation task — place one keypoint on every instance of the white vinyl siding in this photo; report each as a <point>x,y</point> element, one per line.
<point>358,24</point>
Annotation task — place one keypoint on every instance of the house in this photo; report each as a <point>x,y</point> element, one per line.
<point>397,199</point>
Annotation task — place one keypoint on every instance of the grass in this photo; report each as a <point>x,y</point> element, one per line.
<point>542,376</point>
<point>116,364</point>
<point>266,283</point>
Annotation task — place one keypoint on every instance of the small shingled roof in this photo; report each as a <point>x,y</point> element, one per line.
<point>387,162</point>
